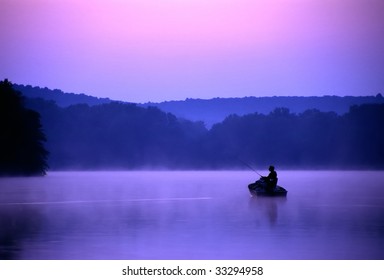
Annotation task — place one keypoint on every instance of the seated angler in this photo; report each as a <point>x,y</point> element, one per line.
<point>271,179</point>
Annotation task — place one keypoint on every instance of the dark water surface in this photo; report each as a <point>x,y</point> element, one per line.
<point>191,215</point>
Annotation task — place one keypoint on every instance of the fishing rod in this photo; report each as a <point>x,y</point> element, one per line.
<point>250,167</point>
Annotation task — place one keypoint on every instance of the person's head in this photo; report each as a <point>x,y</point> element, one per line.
<point>271,168</point>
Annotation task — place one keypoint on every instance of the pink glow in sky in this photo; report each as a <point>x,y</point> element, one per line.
<point>155,50</point>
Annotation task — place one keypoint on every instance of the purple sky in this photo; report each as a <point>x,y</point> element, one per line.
<point>155,50</point>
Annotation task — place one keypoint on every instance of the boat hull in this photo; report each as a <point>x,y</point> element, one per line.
<point>259,189</point>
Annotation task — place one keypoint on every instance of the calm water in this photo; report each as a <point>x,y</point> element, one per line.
<point>191,215</point>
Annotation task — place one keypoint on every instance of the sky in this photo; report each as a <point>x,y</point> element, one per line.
<point>158,50</point>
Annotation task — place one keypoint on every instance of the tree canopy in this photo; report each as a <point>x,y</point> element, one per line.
<point>126,136</point>
<point>21,136</point>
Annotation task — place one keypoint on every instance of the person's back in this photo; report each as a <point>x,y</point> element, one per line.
<point>272,178</point>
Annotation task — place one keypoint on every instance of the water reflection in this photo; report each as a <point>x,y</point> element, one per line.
<point>268,206</point>
<point>17,223</point>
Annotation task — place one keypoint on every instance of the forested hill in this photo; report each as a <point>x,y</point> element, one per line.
<point>62,99</point>
<point>126,136</point>
<point>215,110</point>
<point>119,135</point>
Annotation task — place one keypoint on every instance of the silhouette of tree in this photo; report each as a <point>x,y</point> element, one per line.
<point>21,136</point>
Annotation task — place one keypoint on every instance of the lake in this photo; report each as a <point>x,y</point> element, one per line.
<point>192,215</point>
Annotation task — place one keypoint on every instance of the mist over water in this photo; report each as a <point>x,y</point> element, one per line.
<point>191,215</point>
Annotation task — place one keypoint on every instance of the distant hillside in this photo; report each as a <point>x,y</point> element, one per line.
<point>215,110</point>
<point>120,136</point>
<point>62,99</point>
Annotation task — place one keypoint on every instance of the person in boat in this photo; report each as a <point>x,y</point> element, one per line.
<point>271,179</point>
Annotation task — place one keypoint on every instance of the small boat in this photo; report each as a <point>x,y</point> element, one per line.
<point>259,188</point>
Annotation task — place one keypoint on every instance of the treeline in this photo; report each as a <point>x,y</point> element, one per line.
<point>215,110</point>
<point>118,136</point>
<point>312,139</point>
<point>62,99</point>
<point>212,111</point>
<point>126,136</point>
